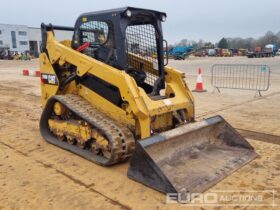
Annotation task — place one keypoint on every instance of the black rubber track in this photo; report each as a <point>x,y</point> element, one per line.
<point>120,137</point>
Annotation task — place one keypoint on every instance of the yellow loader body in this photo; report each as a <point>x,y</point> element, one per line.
<point>109,105</point>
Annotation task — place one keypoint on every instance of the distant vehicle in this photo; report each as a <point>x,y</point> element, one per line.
<point>180,50</point>
<point>200,53</point>
<point>180,56</point>
<point>278,52</point>
<point>5,54</point>
<point>234,51</point>
<point>268,51</point>
<point>272,48</point>
<point>211,52</point>
<point>242,52</point>
<point>225,53</point>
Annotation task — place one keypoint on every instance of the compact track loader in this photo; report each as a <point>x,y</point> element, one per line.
<point>107,95</point>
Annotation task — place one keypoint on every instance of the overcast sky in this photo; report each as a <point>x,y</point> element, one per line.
<point>192,19</point>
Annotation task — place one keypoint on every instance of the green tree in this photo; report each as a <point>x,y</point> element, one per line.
<point>223,43</point>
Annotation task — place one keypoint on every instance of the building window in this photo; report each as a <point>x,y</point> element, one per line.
<point>1,42</point>
<point>14,39</point>
<point>22,43</point>
<point>22,33</point>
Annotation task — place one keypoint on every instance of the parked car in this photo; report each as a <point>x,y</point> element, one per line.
<point>278,52</point>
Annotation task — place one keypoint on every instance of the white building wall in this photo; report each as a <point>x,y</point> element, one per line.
<point>34,34</point>
<point>5,41</point>
<point>21,37</point>
<point>22,41</point>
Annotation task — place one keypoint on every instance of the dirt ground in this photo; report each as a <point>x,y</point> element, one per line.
<point>35,174</point>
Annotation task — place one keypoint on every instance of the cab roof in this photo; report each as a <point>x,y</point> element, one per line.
<point>122,10</point>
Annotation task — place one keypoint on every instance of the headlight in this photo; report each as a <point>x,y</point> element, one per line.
<point>128,13</point>
<point>163,18</point>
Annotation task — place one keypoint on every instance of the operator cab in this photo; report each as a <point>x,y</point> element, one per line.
<point>129,39</point>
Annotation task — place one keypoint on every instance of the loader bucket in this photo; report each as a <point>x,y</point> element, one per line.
<point>190,158</point>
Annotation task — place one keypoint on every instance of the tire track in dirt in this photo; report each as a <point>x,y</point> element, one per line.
<point>21,139</point>
<point>25,184</point>
<point>270,138</point>
<point>76,181</point>
<point>20,115</point>
<point>200,116</point>
<point>20,130</point>
<point>259,136</point>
